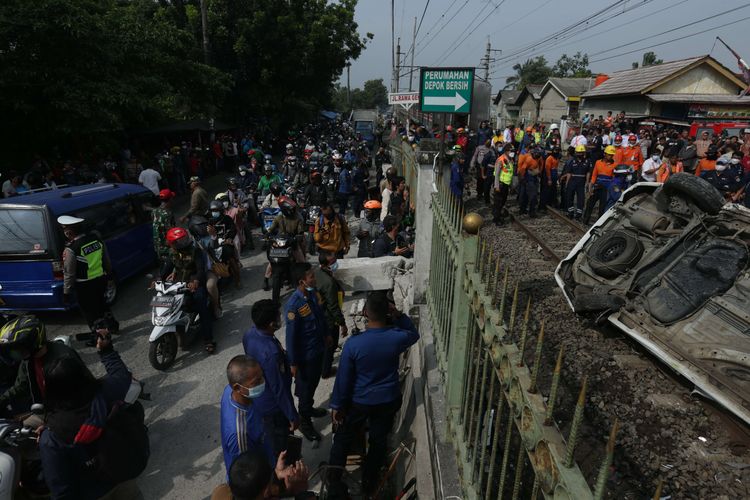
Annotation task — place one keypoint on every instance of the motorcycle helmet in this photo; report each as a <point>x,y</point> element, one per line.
<point>337,156</point>
<point>372,210</point>
<point>288,206</point>
<point>275,189</point>
<point>232,182</point>
<point>268,170</point>
<point>391,172</point>
<point>21,338</point>
<point>178,238</point>
<point>243,170</point>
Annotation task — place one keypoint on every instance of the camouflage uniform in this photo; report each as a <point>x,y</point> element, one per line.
<point>163,220</point>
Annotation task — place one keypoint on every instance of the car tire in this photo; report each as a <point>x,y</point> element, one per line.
<point>614,253</point>
<point>110,291</point>
<point>700,192</point>
<point>596,302</point>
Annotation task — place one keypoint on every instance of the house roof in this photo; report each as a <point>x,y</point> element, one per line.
<point>508,96</point>
<point>568,87</point>
<point>642,80</point>
<point>535,90</point>
<point>701,98</point>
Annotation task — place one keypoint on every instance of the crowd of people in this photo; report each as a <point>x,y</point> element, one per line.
<point>587,170</point>
<point>323,167</point>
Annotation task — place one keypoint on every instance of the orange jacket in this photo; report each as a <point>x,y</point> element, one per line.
<point>526,162</point>
<point>550,164</point>
<point>602,168</point>
<point>631,156</point>
<point>666,170</point>
<point>705,165</point>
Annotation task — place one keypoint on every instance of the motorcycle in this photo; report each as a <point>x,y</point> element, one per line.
<point>267,215</point>
<point>281,256</point>
<point>172,323</point>
<point>312,214</point>
<point>20,463</point>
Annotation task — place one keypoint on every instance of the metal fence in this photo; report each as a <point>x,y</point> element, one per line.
<point>507,442</point>
<point>404,158</point>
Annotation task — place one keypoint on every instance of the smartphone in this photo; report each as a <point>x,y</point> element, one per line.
<point>293,449</point>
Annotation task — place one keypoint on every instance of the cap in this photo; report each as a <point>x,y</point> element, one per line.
<point>194,178</point>
<point>166,194</point>
<point>68,220</point>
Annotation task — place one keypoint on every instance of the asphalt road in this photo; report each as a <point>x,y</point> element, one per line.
<point>183,413</point>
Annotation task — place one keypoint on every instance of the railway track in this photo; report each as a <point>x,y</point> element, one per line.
<point>547,232</point>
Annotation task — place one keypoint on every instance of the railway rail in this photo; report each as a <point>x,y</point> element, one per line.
<point>546,233</point>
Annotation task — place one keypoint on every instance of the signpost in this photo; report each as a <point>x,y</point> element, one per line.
<point>446,90</point>
<point>405,99</point>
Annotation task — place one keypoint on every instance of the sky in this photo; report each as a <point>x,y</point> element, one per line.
<point>454,33</point>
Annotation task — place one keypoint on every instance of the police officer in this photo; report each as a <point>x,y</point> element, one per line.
<point>575,173</point>
<point>85,269</point>
<point>306,339</point>
<point>503,177</point>
<point>332,294</point>
<point>275,404</point>
<point>367,388</point>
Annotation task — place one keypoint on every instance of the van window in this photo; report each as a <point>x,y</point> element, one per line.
<point>22,232</point>
<point>110,219</point>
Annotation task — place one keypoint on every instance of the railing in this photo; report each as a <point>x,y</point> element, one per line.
<point>507,442</point>
<point>404,158</point>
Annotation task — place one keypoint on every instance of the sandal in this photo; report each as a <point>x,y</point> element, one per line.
<point>210,347</point>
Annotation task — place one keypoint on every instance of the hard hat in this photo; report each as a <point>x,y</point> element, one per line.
<point>618,138</point>
<point>373,204</point>
<point>457,147</point>
<point>580,148</point>
<point>632,137</point>
<point>68,220</point>
<point>610,150</point>
<point>553,126</point>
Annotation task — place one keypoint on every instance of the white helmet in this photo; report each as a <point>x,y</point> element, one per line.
<point>553,126</point>
<point>289,146</point>
<point>337,156</point>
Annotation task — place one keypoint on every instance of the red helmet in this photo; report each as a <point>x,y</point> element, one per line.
<point>632,137</point>
<point>618,138</point>
<point>175,234</point>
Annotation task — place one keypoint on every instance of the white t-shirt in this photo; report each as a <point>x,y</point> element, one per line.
<point>150,178</point>
<point>648,165</point>
<point>386,204</point>
<point>605,140</point>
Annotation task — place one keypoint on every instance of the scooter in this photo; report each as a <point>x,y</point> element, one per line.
<point>311,215</point>
<point>281,256</point>
<point>172,323</point>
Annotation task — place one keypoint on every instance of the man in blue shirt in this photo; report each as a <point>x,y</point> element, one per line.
<point>306,339</point>
<point>241,423</point>
<point>275,405</point>
<point>367,388</point>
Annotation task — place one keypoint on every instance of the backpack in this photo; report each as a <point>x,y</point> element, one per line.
<point>122,453</point>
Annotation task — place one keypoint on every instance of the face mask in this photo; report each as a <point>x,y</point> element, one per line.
<point>734,161</point>
<point>511,154</point>
<point>335,266</point>
<point>226,204</point>
<point>655,157</point>
<point>254,392</point>
<point>310,288</point>
<point>215,215</point>
<point>243,173</point>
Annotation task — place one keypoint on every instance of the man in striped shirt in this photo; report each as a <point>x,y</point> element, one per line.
<point>241,423</point>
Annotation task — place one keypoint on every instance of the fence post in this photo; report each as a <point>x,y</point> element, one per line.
<point>423,219</point>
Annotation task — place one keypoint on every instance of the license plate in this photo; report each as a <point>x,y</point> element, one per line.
<point>280,252</point>
<point>162,301</point>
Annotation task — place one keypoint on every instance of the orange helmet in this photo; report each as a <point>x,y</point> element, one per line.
<point>373,204</point>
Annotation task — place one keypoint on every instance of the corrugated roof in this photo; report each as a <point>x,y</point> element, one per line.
<point>535,90</point>
<point>508,96</point>
<point>571,87</point>
<point>634,81</point>
<point>700,98</point>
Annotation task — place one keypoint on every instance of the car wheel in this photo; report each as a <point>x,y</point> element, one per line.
<point>596,302</point>
<point>700,192</point>
<point>614,253</point>
<point>110,293</point>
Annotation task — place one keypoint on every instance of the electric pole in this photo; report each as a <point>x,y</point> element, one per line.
<point>398,63</point>
<point>393,48</point>
<point>413,49</point>
<point>486,60</point>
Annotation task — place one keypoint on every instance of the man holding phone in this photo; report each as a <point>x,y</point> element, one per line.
<point>275,404</point>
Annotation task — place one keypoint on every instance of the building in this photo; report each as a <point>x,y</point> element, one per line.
<point>528,104</point>
<point>675,92</point>
<point>506,110</point>
<point>561,97</point>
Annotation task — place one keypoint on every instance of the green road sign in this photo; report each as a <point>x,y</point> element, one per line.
<point>446,90</point>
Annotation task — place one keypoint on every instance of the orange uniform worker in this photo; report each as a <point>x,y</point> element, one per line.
<point>598,187</point>
<point>530,167</point>
<point>549,179</point>
<point>708,163</point>
<point>630,155</point>
<point>669,167</point>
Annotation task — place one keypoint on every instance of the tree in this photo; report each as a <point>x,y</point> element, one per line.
<point>373,94</point>
<point>649,59</point>
<point>576,66</point>
<point>531,71</point>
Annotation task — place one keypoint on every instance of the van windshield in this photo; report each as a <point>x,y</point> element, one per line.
<point>22,232</point>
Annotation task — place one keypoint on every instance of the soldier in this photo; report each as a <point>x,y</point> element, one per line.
<point>163,219</point>
<point>306,339</point>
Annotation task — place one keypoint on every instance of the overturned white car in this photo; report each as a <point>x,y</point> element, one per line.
<point>670,266</point>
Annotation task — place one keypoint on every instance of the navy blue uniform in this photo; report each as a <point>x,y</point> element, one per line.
<point>367,389</point>
<point>305,343</point>
<point>275,405</point>
<point>576,186</point>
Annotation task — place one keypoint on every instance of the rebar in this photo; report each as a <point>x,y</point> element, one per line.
<point>513,306</point>
<point>519,469</point>
<point>503,296</point>
<point>524,330</point>
<point>495,439</point>
<point>537,360</point>
<point>495,281</point>
<point>548,419</point>
<point>601,480</point>
<point>506,452</point>
<point>577,418</point>
<point>478,410</point>
<point>489,406</point>
<point>475,393</point>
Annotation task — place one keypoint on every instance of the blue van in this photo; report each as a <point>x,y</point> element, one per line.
<point>32,242</point>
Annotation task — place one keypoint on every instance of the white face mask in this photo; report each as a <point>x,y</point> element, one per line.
<point>734,161</point>
<point>512,154</point>
<point>215,215</point>
<point>243,172</point>
<point>226,204</point>
<point>655,157</point>
<point>720,167</point>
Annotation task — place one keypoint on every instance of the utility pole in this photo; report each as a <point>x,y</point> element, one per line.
<point>486,60</point>
<point>204,29</point>
<point>393,48</point>
<point>413,50</point>
<point>398,63</point>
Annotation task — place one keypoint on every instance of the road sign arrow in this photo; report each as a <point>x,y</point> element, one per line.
<point>456,101</point>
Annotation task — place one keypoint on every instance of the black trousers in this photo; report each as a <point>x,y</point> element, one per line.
<point>599,195</point>
<point>306,383</point>
<point>575,190</point>
<point>276,428</point>
<point>379,419</point>
<point>500,198</point>
<point>529,195</point>
<point>328,355</point>
<point>91,300</point>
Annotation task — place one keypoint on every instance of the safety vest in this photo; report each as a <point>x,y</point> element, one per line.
<point>504,170</point>
<point>89,252</point>
<point>519,135</point>
<point>537,137</point>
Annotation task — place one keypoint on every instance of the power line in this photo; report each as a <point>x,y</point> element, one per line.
<point>471,31</point>
<point>467,29</point>
<point>427,42</point>
<point>427,4</point>
<point>437,22</point>
<point>672,40</point>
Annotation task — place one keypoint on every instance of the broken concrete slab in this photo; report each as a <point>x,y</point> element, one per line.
<point>367,274</point>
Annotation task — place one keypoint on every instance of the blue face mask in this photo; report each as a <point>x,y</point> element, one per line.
<point>335,266</point>
<point>310,288</point>
<point>254,392</point>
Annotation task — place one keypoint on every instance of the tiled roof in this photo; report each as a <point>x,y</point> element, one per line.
<point>634,81</point>
<point>572,87</point>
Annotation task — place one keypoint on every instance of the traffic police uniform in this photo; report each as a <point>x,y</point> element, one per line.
<point>275,405</point>
<point>576,185</point>
<point>503,178</point>
<point>367,389</point>
<point>305,333</point>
